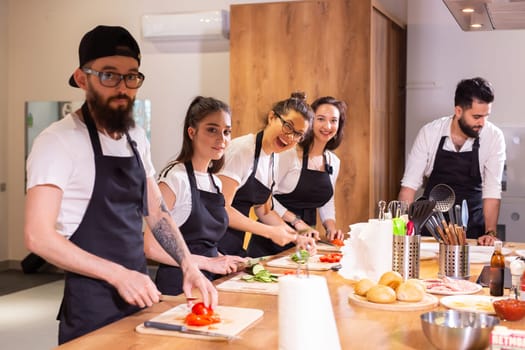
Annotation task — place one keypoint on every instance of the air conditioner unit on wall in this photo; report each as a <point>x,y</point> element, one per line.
<point>209,25</point>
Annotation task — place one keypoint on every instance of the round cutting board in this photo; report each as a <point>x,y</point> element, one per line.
<point>429,301</point>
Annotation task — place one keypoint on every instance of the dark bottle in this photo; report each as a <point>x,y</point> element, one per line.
<point>497,268</point>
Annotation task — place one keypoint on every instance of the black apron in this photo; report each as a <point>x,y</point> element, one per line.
<point>313,190</point>
<point>460,170</point>
<point>111,229</point>
<point>253,192</point>
<point>205,226</point>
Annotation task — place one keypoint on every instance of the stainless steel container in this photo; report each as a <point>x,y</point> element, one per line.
<point>454,261</point>
<point>405,255</point>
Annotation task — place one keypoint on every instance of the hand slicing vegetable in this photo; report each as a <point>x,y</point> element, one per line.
<point>201,315</point>
<point>257,273</point>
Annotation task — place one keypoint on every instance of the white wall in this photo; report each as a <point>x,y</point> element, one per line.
<point>440,54</point>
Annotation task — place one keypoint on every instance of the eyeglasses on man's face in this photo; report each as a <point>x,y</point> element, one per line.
<point>288,129</point>
<point>111,79</point>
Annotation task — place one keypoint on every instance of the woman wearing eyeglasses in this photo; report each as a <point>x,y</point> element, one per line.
<point>248,177</point>
<point>308,172</point>
<point>192,194</point>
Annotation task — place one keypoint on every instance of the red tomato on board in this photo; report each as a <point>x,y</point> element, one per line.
<point>331,258</point>
<point>201,309</point>
<point>337,242</point>
<point>201,315</point>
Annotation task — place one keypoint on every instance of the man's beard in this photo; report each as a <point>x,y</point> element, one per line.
<point>111,120</point>
<point>466,129</point>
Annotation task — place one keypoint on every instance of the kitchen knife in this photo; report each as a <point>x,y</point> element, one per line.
<point>451,218</point>
<point>457,214</point>
<point>464,214</point>
<point>327,242</point>
<point>252,261</point>
<point>183,329</point>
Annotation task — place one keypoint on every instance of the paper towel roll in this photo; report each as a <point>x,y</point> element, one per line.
<point>306,318</point>
<point>369,250</point>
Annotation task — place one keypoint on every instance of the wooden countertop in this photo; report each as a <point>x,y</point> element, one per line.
<point>356,325</point>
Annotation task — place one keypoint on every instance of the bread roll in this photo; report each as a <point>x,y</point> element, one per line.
<point>362,286</point>
<point>391,278</point>
<point>409,291</point>
<point>419,283</point>
<point>381,294</point>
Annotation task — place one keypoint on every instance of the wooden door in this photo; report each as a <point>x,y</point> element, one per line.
<point>387,120</point>
<point>322,48</point>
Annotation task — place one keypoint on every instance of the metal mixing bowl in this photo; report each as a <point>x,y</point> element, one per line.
<point>456,330</point>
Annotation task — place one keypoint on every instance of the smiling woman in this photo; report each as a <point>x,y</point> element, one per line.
<point>248,179</point>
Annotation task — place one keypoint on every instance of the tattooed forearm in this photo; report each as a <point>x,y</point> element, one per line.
<point>164,234</point>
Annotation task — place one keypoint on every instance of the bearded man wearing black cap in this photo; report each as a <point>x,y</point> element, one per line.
<point>90,183</point>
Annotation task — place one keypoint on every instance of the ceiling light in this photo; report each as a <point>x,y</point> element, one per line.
<point>467,10</point>
<point>476,25</point>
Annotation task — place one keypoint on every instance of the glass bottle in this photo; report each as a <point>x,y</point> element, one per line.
<point>522,287</point>
<point>497,269</point>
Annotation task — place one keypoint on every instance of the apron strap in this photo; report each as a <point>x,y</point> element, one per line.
<point>474,170</point>
<point>92,129</point>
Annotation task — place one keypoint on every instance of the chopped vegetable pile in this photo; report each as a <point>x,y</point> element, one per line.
<point>257,273</point>
<point>331,258</point>
<point>301,257</point>
<point>201,315</point>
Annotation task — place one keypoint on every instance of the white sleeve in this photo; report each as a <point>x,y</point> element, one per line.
<point>177,180</point>
<point>50,162</point>
<point>420,157</point>
<point>144,148</point>
<point>493,168</point>
<point>238,159</point>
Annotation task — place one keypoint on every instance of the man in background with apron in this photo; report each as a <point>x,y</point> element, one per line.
<point>90,183</point>
<point>466,152</point>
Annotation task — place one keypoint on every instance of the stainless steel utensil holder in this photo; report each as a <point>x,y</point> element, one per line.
<point>454,261</point>
<point>405,255</point>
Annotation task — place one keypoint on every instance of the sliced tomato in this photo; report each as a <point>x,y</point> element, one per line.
<point>331,258</point>
<point>201,320</point>
<point>197,320</point>
<point>201,309</point>
<point>337,242</point>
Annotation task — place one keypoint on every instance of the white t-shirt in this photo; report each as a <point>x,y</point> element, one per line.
<point>178,182</point>
<point>290,166</point>
<point>421,158</point>
<point>238,162</point>
<point>62,155</point>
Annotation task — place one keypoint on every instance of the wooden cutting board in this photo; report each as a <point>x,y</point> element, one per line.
<point>429,302</point>
<point>313,263</point>
<point>234,320</point>
<point>237,284</point>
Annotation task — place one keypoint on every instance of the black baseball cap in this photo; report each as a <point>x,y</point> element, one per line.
<point>104,41</point>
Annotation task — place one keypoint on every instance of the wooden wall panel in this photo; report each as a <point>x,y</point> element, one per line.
<point>322,48</point>
<point>388,113</point>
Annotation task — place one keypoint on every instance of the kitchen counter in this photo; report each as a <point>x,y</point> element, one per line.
<point>358,327</point>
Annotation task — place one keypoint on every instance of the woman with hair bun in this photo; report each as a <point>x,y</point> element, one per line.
<point>248,177</point>
<point>305,182</point>
<point>192,194</point>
